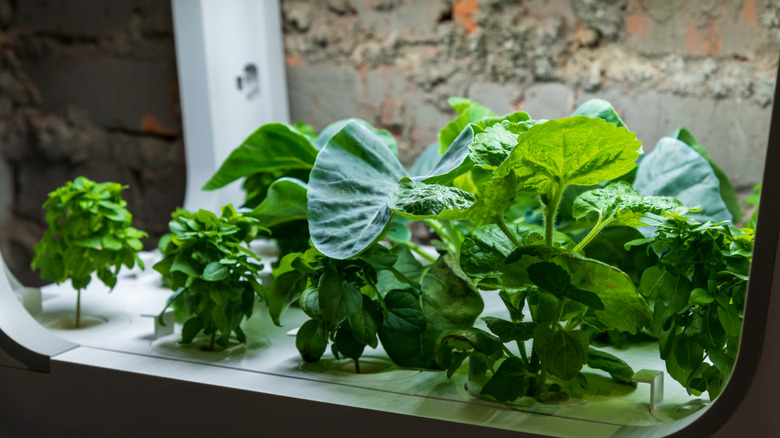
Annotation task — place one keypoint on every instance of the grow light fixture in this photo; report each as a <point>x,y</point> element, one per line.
<point>125,378</point>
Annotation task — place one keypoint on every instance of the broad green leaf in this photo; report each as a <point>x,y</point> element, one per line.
<point>348,191</point>
<point>454,162</point>
<point>271,147</point>
<point>570,151</point>
<point>466,339</point>
<point>707,330</point>
<point>674,290</point>
<point>403,331</point>
<point>351,183</point>
<point>345,344</point>
<point>416,200</point>
<point>727,192</point>
<point>310,302</point>
<point>191,328</point>
<point>674,169</point>
<point>509,331</point>
<point>285,201</point>
<point>470,112</point>
<point>700,297</point>
<point>338,298</point>
<point>215,271</point>
<point>329,131</point>
<point>729,317</point>
<point>485,249</point>
<point>185,264</point>
<point>550,278</point>
<point>562,352</point>
<point>620,371</point>
<point>509,382</point>
<point>285,289</point>
<point>624,309</point>
<point>405,273</point>
<point>449,301</point>
<point>311,340</point>
<point>493,146</point>
<point>403,313</point>
<point>363,324</point>
<point>600,109</point>
<point>619,204</point>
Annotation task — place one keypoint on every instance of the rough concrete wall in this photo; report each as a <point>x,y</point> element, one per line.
<point>708,65</point>
<point>88,88</point>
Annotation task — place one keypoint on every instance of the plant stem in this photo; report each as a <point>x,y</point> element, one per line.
<point>499,220</point>
<point>550,210</point>
<point>211,342</point>
<point>78,308</point>
<point>592,234</point>
<point>357,366</point>
<point>523,355</point>
<point>416,248</point>
<point>454,238</point>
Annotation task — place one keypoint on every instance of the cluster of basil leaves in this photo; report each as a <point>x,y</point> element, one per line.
<point>212,273</point>
<point>89,231</point>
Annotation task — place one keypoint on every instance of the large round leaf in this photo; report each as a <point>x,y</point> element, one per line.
<point>330,130</point>
<point>348,190</point>
<point>675,169</point>
<point>578,151</point>
<point>273,146</point>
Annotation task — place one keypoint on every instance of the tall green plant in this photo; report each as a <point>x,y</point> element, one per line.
<point>88,232</point>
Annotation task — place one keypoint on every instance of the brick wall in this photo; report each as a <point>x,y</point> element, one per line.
<point>89,86</point>
<point>709,65</point>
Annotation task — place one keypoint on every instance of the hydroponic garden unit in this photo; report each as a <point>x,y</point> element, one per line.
<point>574,287</point>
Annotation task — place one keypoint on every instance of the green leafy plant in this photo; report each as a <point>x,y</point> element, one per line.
<point>212,273</point>
<point>89,231</point>
<point>384,294</point>
<point>698,288</point>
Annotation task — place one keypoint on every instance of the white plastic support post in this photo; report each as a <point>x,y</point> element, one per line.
<point>231,79</point>
<point>656,380</point>
<point>164,329</point>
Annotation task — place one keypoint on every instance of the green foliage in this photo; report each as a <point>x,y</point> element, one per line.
<point>384,294</point>
<point>699,289</point>
<point>753,200</point>
<point>601,109</point>
<point>350,186</point>
<point>88,232</point>
<point>727,192</point>
<point>211,271</point>
<point>675,169</point>
<point>273,146</point>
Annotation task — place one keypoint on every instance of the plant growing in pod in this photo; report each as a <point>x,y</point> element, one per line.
<point>89,231</point>
<point>212,272</point>
<point>699,287</point>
